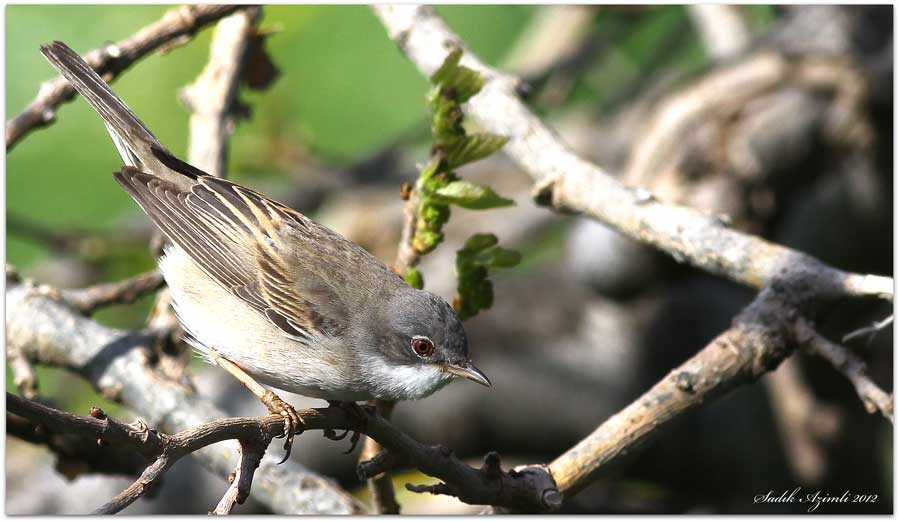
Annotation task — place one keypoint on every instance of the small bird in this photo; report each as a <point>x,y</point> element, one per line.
<point>270,295</point>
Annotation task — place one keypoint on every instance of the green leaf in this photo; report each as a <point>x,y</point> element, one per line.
<point>447,67</point>
<point>480,242</point>
<point>414,278</point>
<point>468,195</point>
<point>471,148</point>
<point>457,82</point>
<point>497,257</point>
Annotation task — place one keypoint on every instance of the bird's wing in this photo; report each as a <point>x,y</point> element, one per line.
<point>248,244</point>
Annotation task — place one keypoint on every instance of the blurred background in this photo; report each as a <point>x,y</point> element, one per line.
<point>589,320</point>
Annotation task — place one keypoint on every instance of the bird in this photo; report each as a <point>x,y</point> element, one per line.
<point>268,294</point>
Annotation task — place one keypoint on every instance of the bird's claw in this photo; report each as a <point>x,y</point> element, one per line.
<point>291,419</point>
<point>353,441</point>
<point>353,409</point>
<point>330,434</point>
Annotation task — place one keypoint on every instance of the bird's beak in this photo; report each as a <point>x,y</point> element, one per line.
<point>469,371</point>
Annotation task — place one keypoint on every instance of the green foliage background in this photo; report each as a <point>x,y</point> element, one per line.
<point>345,92</point>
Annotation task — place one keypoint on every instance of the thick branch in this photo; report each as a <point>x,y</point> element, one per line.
<point>570,184</point>
<point>850,365</point>
<point>176,27</point>
<point>116,363</point>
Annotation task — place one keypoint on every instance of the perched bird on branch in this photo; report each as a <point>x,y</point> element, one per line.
<point>268,294</point>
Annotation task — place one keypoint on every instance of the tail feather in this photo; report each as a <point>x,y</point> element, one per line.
<point>138,146</point>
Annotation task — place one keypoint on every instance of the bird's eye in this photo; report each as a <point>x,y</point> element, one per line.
<point>422,346</point>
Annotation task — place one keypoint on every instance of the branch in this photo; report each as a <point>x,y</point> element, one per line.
<point>869,331</point>
<point>149,478</point>
<point>406,255</point>
<point>251,453</point>
<point>525,488</point>
<point>87,300</point>
<point>113,360</point>
<point>850,365</point>
<point>806,425</point>
<point>176,27</point>
<point>569,183</point>
<point>374,464</point>
<point>116,362</point>
<point>760,338</point>
<point>762,335</point>
<point>555,36</point>
<point>212,98</point>
<point>23,374</point>
<point>77,451</point>
<point>722,29</point>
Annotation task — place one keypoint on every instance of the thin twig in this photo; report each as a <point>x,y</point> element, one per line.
<point>251,453</point>
<point>229,499</point>
<point>406,255</point>
<point>850,365</point>
<point>869,331</point>
<point>23,374</point>
<point>176,27</point>
<point>380,484</point>
<point>88,300</point>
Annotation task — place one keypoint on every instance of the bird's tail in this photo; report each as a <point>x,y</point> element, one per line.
<point>138,146</point>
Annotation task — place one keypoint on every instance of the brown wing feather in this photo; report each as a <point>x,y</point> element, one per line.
<point>237,237</point>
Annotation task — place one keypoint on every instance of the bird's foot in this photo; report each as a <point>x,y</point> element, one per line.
<point>354,410</point>
<point>292,421</point>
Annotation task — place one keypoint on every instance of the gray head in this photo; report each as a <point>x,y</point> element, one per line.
<point>425,342</point>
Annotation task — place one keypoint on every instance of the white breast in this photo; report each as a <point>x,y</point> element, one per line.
<point>218,320</point>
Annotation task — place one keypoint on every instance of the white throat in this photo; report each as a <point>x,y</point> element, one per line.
<point>400,382</point>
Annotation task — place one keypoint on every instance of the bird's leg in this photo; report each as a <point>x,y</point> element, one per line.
<point>354,410</point>
<point>271,400</point>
